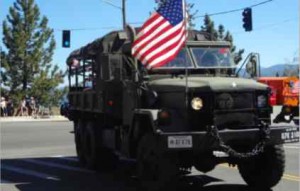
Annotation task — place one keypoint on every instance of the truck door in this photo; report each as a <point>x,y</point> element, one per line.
<point>130,90</point>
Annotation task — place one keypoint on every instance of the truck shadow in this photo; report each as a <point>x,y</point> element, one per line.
<point>66,174</point>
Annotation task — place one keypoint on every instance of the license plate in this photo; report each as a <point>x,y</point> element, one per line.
<point>290,135</point>
<point>180,142</point>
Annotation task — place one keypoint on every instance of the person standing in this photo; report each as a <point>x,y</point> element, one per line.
<point>10,107</point>
<point>3,107</point>
<point>24,109</point>
<point>32,105</point>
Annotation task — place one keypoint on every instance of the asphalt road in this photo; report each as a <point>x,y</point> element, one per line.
<point>41,156</point>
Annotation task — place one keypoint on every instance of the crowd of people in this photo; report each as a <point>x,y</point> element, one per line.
<point>26,107</point>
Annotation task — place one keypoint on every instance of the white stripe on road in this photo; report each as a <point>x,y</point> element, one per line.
<point>291,147</point>
<point>29,172</point>
<point>66,158</point>
<point>3,181</point>
<point>50,164</point>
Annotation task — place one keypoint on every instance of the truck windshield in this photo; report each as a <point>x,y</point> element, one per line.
<point>204,57</point>
<point>213,57</point>
<point>182,60</point>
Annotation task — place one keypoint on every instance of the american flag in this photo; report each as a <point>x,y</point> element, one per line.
<point>162,35</point>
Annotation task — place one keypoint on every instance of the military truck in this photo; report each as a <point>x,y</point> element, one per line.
<point>192,112</point>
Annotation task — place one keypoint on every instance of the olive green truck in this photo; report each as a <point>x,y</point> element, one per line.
<point>194,111</point>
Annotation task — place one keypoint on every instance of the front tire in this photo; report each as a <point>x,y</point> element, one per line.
<point>156,170</point>
<point>296,121</point>
<point>265,170</point>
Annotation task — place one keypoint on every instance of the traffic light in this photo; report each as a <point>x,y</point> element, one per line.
<point>66,38</point>
<point>247,19</point>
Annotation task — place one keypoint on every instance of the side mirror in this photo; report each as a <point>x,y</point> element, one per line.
<point>251,66</point>
<point>151,97</point>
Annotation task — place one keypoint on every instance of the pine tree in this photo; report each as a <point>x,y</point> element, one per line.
<point>209,27</point>
<point>27,64</point>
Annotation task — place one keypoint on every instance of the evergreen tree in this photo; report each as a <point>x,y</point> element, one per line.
<point>27,65</point>
<point>209,27</point>
<point>191,16</point>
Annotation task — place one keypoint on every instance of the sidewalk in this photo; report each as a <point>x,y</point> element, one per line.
<point>31,119</point>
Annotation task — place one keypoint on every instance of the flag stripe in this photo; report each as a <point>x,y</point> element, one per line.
<point>162,35</point>
<point>163,44</point>
<point>158,41</point>
<point>148,29</point>
<point>152,34</point>
<point>148,24</point>
<point>168,52</point>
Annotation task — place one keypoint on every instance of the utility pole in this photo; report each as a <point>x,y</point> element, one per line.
<point>124,13</point>
<point>123,9</point>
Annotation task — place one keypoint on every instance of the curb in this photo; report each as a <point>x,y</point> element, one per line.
<point>31,119</point>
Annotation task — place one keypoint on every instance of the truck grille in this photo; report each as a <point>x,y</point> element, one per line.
<point>225,110</point>
<point>232,101</point>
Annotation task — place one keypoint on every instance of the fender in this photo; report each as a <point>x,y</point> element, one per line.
<point>142,123</point>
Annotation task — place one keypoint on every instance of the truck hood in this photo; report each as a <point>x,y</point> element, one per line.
<point>215,84</point>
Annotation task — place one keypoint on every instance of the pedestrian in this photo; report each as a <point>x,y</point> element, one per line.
<point>10,107</point>
<point>32,105</point>
<point>3,106</point>
<point>24,109</point>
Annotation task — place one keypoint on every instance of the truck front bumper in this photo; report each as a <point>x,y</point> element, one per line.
<point>201,141</point>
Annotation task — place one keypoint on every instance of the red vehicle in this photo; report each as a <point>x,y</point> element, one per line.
<point>285,92</point>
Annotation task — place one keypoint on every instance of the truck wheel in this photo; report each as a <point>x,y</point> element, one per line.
<point>97,157</point>
<point>296,121</point>
<point>90,150</point>
<point>266,170</point>
<point>78,132</point>
<point>156,170</point>
<point>205,162</point>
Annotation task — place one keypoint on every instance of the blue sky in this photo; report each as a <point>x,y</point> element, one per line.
<point>275,32</point>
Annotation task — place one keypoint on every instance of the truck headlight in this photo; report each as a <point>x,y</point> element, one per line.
<point>261,101</point>
<point>197,103</point>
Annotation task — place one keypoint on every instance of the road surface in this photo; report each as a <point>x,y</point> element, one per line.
<point>41,156</point>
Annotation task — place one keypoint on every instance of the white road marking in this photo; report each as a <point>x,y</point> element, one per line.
<point>66,158</point>
<point>55,165</point>
<point>3,181</point>
<point>291,147</point>
<point>29,172</point>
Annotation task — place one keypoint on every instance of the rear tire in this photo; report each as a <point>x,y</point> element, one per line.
<point>79,127</point>
<point>97,156</point>
<point>90,150</point>
<point>266,170</point>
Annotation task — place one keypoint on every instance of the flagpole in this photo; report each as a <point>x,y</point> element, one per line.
<point>186,70</point>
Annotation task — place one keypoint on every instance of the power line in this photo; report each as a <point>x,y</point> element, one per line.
<point>134,23</point>
<point>269,25</point>
<point>235,10</point>
<point>87,29</point>
<point>111,4</point>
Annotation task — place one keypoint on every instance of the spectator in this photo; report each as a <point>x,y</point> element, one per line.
<point>10,107</point>
<point>3,107</point>
<point>32,105</point>
<point>24,109</point>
